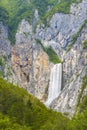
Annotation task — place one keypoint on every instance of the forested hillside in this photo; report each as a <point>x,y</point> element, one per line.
<point>21,111</point>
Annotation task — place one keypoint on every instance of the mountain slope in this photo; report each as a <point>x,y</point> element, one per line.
<point>12,12</point>
<point>21,111</point>
<point>20,108</point>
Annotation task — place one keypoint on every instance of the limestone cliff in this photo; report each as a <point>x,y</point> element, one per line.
<point>66,34</point>
<point>30,63</point>
<point>74,70</point>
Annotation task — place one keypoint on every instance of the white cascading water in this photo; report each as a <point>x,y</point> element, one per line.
<point>55,83</point>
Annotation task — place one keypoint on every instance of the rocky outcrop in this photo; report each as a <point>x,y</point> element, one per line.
<point>5,56</point>
<point>5,47</point>
<point>5,52</point>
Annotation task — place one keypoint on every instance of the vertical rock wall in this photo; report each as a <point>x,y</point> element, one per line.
<point>74,70</point>
<point>30,63</point>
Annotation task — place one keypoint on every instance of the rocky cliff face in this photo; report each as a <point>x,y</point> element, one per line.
<point>74,70</point>
<point>63,30</point>
<point>5,48</point>
<point>5,51</point>
<point>6,70</point>
<point>28,65</point>
<point>62,27</point>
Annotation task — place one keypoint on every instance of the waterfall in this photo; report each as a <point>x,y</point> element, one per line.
<point>55,83</point>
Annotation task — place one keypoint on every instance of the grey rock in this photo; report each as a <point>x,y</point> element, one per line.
<point>30,63</point>
<point>74,69</point>
<point>5,47</point>
<point>63,26</point>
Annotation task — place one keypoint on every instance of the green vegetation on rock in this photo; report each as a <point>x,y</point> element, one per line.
<point>1,61</point>
<point>53,57</point>
<point>85,44</point>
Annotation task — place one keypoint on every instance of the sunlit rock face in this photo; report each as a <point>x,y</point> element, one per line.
<point>30,63</point>
<point>55,83</point>
<point>42,68</point>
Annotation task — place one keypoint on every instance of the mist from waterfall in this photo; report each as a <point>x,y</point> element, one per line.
<point>55,83</point>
